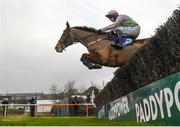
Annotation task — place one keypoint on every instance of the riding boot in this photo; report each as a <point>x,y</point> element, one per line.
<point>119,34</point>
<point>109,36</point>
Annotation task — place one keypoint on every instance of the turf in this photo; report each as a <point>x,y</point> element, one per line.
<point>61,121</point>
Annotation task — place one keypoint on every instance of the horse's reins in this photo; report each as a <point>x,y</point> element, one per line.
<point>78,38</point>
<point>87,37</point>
<point>94,42</point>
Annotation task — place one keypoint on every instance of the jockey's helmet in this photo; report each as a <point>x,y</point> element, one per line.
<point>112,13</point>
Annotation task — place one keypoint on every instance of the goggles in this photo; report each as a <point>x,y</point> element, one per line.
<point>109,16</point>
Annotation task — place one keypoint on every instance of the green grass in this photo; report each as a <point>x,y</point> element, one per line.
<point>60,121</point>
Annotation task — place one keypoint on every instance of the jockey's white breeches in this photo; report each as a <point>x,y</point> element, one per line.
<point>129,31</point>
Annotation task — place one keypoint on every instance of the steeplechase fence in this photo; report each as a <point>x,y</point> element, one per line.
<point>46,110</point>
<point>156,104</point>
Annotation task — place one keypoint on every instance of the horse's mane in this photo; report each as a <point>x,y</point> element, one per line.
<point>90,29</point>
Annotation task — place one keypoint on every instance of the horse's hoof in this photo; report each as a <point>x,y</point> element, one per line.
<point>92,65</point>
<point>95,66</point>
<point>88,64</point>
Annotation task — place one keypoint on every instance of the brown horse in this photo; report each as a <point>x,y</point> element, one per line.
<point>100,50</point>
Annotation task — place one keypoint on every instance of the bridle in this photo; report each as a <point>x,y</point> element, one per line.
<point>69,39</point>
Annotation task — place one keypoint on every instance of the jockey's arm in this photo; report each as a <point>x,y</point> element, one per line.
<point>109,27</point>
<point>114,25</point>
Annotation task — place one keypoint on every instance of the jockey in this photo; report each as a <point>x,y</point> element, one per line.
<point>122,26</point>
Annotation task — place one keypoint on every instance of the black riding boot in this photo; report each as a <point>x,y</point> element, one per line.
<point>110,36</point>
<point>119,34</point>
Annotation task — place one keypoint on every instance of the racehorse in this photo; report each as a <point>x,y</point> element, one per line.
<point>101,53</point>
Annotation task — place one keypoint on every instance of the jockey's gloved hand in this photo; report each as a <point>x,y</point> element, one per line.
<point>99,31</point>
<point>112,33</point>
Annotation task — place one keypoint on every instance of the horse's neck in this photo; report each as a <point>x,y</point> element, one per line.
<point>85,37</point>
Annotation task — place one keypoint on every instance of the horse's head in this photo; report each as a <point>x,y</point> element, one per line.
<point>65,39</point>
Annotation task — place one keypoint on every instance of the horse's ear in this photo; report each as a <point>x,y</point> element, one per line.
<point>67,24</point>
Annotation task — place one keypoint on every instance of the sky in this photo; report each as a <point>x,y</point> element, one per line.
<point>30,29</point>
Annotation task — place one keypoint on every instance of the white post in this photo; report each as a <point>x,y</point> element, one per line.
<point>5,111</point>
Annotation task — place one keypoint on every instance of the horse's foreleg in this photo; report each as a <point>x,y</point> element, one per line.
<point>91,58</point>
<point>91,61</point>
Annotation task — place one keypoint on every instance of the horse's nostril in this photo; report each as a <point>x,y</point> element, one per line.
<point>57,49</point>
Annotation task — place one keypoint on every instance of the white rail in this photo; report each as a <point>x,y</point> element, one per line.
<point>80,104</point>
<point>36,105</point>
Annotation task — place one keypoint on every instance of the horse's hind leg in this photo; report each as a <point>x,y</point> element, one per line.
<point>89,62</point>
